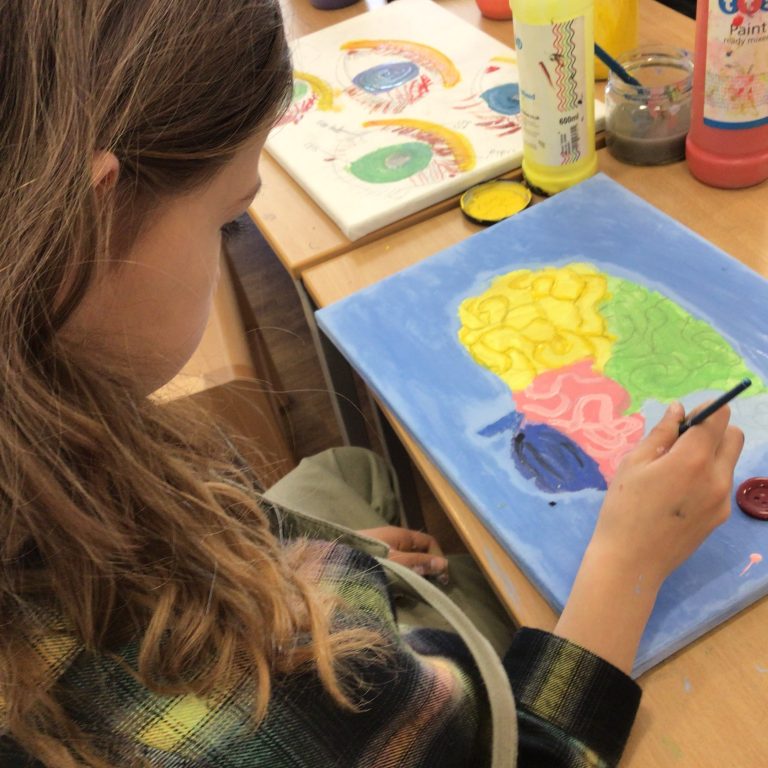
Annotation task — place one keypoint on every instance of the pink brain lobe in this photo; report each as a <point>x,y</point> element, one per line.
<point>589,408</point>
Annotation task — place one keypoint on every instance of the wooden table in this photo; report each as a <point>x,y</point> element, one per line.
<point>704,706</point>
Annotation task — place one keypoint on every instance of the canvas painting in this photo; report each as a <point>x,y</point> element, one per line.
<point>530,358</point>
<point>397,109</point>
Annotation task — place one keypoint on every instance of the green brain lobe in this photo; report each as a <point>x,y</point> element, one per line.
<point>393,163</point>
<point>662,351</point>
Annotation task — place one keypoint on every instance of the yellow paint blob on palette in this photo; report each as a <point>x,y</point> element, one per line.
<point>493,201</point>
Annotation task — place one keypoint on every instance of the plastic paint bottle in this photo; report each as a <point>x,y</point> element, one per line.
<point>615,29</point>
<point>727,145</point>
<point>495,9</point>
<point>555,58</point>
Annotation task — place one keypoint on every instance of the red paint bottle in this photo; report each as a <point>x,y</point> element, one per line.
<point>495,9</point>
<point>727,145</point>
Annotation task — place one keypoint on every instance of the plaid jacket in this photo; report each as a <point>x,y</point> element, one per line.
<point>423,709</point>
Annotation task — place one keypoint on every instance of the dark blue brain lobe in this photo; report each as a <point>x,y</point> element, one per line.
<point>553,461</point>
<point>504,99</point>
<point>385,77</point>
<point>548,457</point>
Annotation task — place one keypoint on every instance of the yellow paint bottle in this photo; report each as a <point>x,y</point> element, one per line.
<point>555,57</point>
<point>615,30</point>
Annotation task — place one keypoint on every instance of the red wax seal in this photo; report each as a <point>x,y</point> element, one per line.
<point>752,497</point>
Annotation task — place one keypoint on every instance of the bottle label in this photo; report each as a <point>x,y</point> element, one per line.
<point>736,81</point>
<point>552,61</point>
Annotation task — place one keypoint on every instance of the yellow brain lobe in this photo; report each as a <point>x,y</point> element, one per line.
<point>529,322</point>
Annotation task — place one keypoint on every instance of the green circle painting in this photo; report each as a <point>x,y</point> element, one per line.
<point>393,163</point>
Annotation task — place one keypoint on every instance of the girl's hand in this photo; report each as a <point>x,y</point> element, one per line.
<point>669,494</point>
<point>415,550</point>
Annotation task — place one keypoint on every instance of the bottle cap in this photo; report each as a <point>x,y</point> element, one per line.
<point>752,497</point>
<point>493,201</point>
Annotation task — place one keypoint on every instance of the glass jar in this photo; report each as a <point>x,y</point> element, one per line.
<point>647,124</point>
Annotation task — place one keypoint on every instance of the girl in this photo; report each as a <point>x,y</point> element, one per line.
<point>155,609</point>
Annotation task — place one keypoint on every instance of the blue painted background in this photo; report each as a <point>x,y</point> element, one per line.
<point>400,334</point>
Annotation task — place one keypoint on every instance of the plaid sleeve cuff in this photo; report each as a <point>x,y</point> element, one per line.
<point>581,695</point>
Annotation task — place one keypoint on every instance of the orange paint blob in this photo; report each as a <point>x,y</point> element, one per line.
<point>753,558</point>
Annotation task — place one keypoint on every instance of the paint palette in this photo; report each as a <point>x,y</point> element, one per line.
<point>529,358</point>
<point>397,109</point>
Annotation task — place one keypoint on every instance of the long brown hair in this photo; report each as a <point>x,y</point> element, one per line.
<point>114,513</point>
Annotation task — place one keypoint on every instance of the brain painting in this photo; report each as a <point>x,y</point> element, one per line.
<point>582,352</point>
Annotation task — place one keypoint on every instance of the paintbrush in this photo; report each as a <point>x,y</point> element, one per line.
<point>697,418</point>
<point>615,67</point>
